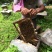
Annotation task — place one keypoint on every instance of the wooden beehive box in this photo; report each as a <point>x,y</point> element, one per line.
<point>26,31</point>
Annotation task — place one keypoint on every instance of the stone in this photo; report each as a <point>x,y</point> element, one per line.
<point>24,47</point>
<point>6,3</point>
<point>5,12</point>
<point>4,6</point>
<point>46,37</point>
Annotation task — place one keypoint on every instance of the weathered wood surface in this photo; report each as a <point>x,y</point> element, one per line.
<point>44,13</point>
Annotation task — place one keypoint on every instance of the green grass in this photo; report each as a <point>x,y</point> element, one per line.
<point>12,48</point>
<point>46,22</point>
<point>45,48</point>
<point>8,31</point>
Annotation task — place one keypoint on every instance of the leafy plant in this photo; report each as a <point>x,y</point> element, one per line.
<point>8,31</point>
<point>12,48</point>
<point>45,48</point>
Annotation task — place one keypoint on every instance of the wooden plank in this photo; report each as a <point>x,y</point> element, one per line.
<point>48,7</point>
<point>44,13</point>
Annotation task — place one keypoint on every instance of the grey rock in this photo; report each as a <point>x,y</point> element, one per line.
<point>24,47</point>
<point>46,37</point>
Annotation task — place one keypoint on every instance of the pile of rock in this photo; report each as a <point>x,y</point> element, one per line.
<point>5,10</point>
